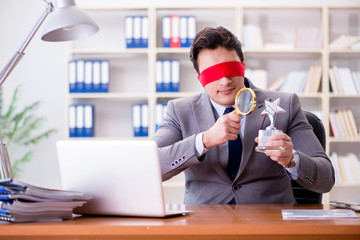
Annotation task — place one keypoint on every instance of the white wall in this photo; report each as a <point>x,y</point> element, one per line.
<point>42,70</point>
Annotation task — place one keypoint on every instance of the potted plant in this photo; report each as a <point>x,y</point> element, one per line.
<point>21,128</point>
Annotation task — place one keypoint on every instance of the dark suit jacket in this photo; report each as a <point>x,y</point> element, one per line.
<point>259,179</point>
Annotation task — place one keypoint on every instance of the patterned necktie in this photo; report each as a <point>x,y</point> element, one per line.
<point>235,150</point>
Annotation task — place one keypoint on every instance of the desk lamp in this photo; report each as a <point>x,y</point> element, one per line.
<point>67,22</point>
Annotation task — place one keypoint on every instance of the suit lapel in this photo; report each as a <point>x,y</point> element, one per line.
<point>205,120</point>
<point>254,122</point>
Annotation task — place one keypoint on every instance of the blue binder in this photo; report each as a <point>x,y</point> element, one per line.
<point>136,119</point>
<point>175,76</point>
<point>80,75</point>
<point>88,120</point>
<point>159,76</point>
<point>129,32</point>
<point>80,120</point>
<point>137,31</point>
<point>72,76</point>
<point>184,39</point>
<point>144,32</point>
<point>104,76</point>
<point>166,31</point>
<point>144,127</point>
<point>88,78</point>
<point>166,75</point>
<point>72,121</point>
<point>96,76</point>
<point>191,29</point>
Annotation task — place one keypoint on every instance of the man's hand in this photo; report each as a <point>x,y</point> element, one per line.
<point>284,156</point>
<point>226,128</point>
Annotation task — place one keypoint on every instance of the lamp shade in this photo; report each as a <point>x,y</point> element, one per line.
<point>68,22</point>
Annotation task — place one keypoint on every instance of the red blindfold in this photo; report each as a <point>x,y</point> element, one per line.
<point>218,71</point>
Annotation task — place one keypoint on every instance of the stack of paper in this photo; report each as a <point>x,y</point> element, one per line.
<point>21,202</point>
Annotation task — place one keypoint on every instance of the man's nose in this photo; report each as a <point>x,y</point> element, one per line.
<point>224,81</point>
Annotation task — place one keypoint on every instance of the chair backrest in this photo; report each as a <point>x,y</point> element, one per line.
<point>303,195</point>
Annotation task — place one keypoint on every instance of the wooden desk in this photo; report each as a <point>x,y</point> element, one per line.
<point>207,222</point>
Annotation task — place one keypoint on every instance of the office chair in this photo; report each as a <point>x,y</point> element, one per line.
<point>301,194</point>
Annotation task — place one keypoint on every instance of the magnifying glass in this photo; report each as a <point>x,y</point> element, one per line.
<point>245,101</point>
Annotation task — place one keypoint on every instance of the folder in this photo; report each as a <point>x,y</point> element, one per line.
<point>105,76</point>
<point>137,31</point>
<point>144,31</point>
<point>72,121</point>
<point>96,76</point>
<point>129,32</point>
<point>144,120</point>
<point>159,108</point>
<point>166,31</point>
<point>80,120</point>
<point>166,75</point>
<point>175,31</point>
<point>175,76</point>
<point>88,120</point>
<point>72,76</point>
<point>191,28</point>
<point>80,69</point>
<point>159,76</point>
<point>184,31</point>
<point>88,76</point>
<point>136,119</point>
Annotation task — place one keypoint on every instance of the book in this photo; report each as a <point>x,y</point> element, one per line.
<point>353,127</point>
<point>346,81</point>
<point>275,85</point>
<point>252,37</point>
<point>344,42</point>
<point>308,37</point>
<point>335,162</point>
<point>334,85</point>
<point>317,214</point>
<point>314,78</point>
<point>258,77</point>
<point>353,205</point>
<point>337,79</point>
<point>334,125</point>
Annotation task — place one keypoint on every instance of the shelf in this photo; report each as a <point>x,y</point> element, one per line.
<point>344,51</point>
<point>109,139</point>
<point>133,71</point>
<point>115,96</point>
<point>110,51</point>
<point>174,94</point>
<point>343,140</point>
<point>173,50</point>
<point>332,95</point>
<point>284,51</point>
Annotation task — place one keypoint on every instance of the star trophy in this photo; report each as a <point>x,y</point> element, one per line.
<point>271,109</point>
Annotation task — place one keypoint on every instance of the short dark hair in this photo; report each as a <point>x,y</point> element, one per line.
<point>212,38</point>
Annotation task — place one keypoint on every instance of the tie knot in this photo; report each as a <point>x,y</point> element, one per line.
<point>228,110</point>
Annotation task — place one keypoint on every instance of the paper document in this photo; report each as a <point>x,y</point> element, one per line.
<point>317,214</point>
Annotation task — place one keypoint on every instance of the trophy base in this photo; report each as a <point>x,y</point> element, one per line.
<point>267,148</point>
<point>264,138</point>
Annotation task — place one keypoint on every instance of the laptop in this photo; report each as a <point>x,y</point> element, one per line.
<point>123,177</point>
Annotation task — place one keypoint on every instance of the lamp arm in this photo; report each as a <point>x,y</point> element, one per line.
<point>20,52</point>
<point>5,165</point>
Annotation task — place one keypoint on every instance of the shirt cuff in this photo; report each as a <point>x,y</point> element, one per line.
<point>294,171</point>
<point>199,145</point>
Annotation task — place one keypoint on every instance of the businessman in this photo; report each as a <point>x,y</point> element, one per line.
<point>215,148</point>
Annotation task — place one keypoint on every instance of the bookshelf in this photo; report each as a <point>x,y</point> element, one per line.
<point>133,74</point>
